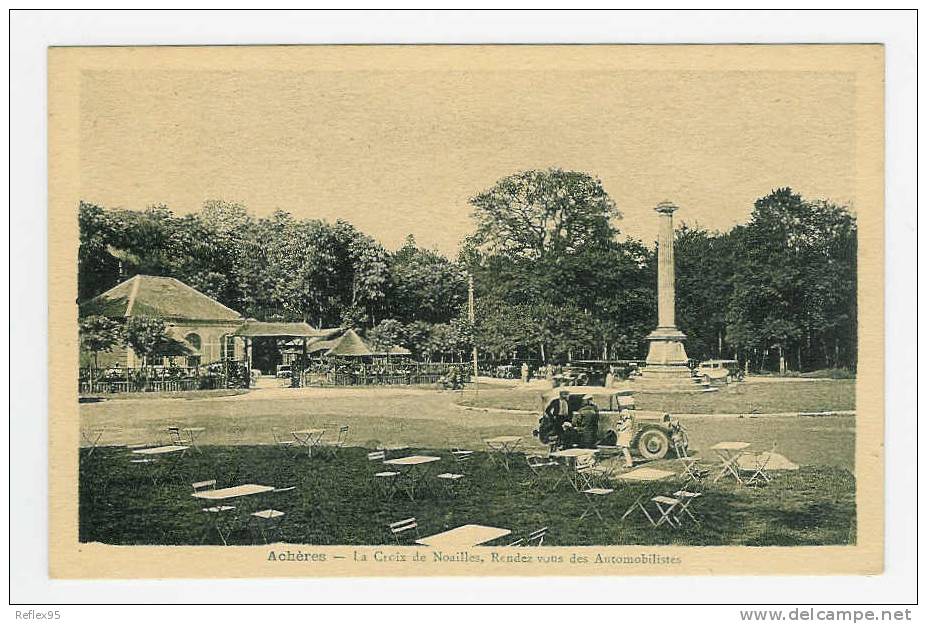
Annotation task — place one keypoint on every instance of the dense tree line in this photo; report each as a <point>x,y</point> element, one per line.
<point>555,279</point>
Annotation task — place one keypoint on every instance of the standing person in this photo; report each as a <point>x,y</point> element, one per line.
<point>524,372</point>
<point>453,378</point>
<point>625,430</point>
<point>558,412</point>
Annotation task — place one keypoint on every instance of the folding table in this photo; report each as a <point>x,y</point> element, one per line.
<point>92,438</point>
<point>193,435</point>
<point>501,447</point>
<point>464,536</point>
<point>308,438</point>
<point>221,494</point>
<point>150,455</point>
<point>162,450</point>
<point>643,476</point>
<point>411,469</point>
<point>570,456</point>
<point>729,453</point>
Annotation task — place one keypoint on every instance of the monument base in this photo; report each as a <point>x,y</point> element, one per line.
<point>667,367</point>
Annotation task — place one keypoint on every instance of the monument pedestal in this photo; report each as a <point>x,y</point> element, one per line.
<point>667,367</point>
<point>666,349</point>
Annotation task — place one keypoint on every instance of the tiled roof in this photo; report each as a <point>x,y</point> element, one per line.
<point>164,297</point>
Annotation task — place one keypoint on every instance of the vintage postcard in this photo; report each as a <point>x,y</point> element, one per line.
<point>465,310</point>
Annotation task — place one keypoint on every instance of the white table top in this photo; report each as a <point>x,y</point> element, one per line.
<point>573,452</point>
<point>645,474</point>
<point>194,429</point>
<point>464,536</point>
<point>730,446</point>
<point>503,439</point>
<point>161,450</point>
<point>412,460</point>
<point>233,492</point>
<point>308,431</point>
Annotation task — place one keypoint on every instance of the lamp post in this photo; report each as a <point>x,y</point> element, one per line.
<point>471,315</point>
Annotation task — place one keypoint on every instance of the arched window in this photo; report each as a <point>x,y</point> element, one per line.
<point>194,340</point>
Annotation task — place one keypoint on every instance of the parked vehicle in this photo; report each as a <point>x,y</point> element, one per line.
<point>653,433</point>
<point>720,371</point>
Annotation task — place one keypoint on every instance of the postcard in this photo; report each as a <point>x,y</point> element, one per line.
<point>546,310</point>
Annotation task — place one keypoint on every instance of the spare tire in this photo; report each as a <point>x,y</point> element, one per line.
<point>653,444</point>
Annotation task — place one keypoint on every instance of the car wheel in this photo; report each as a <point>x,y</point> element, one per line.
<point>653,444</point>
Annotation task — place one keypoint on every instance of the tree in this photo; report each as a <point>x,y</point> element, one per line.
<point>98,334</point>
<point>704,266</point>
<point>416,336</point>
<point>425,286</point>
<point>97,269</point>
<point>146,335</point>
<point>386,335</point>
<point>536,213</point>
<point>793,282</point>
<point>554,276</point>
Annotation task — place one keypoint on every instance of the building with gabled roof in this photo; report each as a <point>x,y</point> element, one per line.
<point>203,326</point>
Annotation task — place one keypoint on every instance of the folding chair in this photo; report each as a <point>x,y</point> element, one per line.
<point>538,469</point>
<point>665,505</point>
<point>150,464</point>
<point>177,437</point>
<point>397,529</point>
<point>686,498</point>
<point>216,514</point>
<point>384,481</point>
<point>213,514</point>
<point>268,520</point>
<point>692,470</point>
<point>338,443</point>
<point>287,443</point>
<point>756,463</point>
<point>536,538</point>
<point>587,473</point>
<point>461,456</point>
<point>452,482</point>
<point>593,496</point>
<point>202,486</point>
<point>553,443</point>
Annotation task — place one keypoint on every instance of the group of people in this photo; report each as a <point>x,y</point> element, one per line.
<point>453,379</point>
<point>578,426</point>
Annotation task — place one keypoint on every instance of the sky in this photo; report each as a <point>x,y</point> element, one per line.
<point>401,152</point>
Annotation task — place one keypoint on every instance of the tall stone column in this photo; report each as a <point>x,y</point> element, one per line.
<point>667,356</point>
<point>666,268</point>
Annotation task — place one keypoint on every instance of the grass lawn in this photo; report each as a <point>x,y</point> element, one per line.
<point>743,398</point>
<point>334,503</point>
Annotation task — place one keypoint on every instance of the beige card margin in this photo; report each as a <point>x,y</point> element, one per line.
<point>70,559</point>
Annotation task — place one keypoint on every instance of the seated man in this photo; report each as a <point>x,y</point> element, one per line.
<point>586,422</point>
<point>556,414</point>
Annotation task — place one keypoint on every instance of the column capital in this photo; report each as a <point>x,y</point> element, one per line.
<point>666,207</point>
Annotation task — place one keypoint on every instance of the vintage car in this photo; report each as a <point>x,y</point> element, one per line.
<point>655,434</point>
<point>720,371</point>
